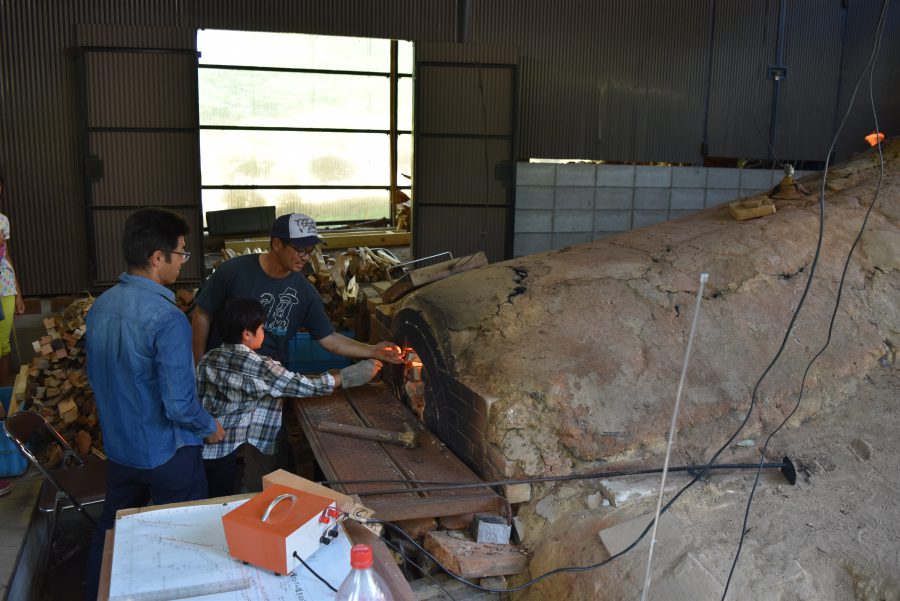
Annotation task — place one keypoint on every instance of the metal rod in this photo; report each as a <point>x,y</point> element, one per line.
<point>704,277</point>
<point>786,467</point>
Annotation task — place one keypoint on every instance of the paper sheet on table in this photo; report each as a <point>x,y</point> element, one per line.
<point>184,549</point>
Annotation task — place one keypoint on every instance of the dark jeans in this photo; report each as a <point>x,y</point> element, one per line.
<point>220,475</point>
<point>181,478</point>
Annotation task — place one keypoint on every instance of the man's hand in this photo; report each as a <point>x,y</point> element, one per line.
<point>387,352</point>
<point>359,373</point>
<point>217,436</point>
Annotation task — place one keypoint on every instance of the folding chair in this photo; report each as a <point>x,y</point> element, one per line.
<point>74,482</point>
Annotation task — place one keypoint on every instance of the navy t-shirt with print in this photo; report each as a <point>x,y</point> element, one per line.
<point>291,302</point>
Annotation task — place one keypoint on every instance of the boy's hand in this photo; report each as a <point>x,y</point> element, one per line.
<point>359,373</point>
<point>217,436</point>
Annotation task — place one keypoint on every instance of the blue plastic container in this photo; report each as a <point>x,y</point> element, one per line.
<point>12,462</point>
<point>307,356</point>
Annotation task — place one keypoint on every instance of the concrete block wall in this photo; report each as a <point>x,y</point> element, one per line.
<point>558,205</point>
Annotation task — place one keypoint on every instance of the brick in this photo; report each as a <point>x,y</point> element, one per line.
<point>535,174</point>
<point>494,582</point>
<point>612,221</point>
<point>60,303</point>
<point>687,198</point>
<point>417,528</point>
<point>534,197</point>
<point>645,218</point>
<point>576,175</point>
<point>32,306</point>
<point>573,221</point>
<point>613,198</point>
<point>473,560</point>
<point>651,198</point>
<point>723,177</point>
<point>688,177</point>
<point>574,198</point>
<point>717,197</point>
<point>617,176</point>
<point>570,239</point>
<point>517,493</point>
<point>651,176</point>
<point>457,522</point>
<point>528,221</point>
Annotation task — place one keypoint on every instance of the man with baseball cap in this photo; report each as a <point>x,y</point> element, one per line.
<point>275,279</point>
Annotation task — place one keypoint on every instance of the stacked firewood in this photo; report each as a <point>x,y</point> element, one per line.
<point>338,280</point>
<point>57,384</point>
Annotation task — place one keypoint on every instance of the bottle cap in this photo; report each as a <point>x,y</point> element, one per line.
<point>361,557</point>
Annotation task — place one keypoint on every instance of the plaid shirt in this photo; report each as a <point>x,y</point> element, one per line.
<point>243,390</point>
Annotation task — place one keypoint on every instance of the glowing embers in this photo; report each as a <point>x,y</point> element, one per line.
<point>413,385</point>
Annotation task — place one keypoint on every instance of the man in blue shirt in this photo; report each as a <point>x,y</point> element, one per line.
<point>142,371</point>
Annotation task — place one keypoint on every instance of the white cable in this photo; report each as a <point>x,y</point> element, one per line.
<point>704,277</point>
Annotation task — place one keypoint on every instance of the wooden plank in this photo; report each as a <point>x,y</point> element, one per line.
<point>469,559</point>
<point>431,459</point>
<point>382,561</point>
<point>425,275</point>
<point>350,459</point>
<point>106,565</point>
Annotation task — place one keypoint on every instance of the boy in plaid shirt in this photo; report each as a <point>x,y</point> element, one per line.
<point>244,391</point>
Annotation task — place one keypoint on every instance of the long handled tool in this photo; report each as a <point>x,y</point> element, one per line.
<point>404,439</point>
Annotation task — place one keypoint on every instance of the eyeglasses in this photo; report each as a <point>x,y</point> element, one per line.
<point>303,252</point>
<point>186,254</point>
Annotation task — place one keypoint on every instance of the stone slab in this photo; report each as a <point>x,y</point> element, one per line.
<point>618,538</point>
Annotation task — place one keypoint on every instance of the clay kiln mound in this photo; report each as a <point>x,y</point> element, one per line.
<point>577,352</point>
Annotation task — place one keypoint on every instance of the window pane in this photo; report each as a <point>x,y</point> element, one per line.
<point>321,205</point>
<point>404,159</point>
<point>404,103</point>
<point>277,158</point>
<point>292,50</point>
<point>277,99</point>
<point>405,57</point>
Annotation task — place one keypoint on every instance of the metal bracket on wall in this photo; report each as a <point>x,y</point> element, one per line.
<point>778,72</point>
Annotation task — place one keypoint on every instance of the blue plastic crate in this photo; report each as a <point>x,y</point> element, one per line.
<point>12,462</point>
<point>307,356</point>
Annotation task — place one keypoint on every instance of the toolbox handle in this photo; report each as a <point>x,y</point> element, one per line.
<point>275,502</point>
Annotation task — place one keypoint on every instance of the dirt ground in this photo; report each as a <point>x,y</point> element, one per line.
<point>833,536</point>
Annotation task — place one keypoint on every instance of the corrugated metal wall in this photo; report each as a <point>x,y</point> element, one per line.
<point>626,80</point>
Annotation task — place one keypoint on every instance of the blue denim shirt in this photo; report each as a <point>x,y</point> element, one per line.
<point>140,365</point>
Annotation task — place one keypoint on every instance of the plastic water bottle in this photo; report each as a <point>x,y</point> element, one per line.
<point>362,583</point>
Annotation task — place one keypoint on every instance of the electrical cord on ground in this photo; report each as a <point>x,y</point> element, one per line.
<point>313,572</point>
<point>870,67</point>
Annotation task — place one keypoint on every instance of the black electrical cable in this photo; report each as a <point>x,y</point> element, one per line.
<point>313,572</point>
<point>870,67</point>
<point>435,486</point>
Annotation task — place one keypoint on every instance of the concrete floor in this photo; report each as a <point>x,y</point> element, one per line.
<point>42,557</point>
<point>16,510</point>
